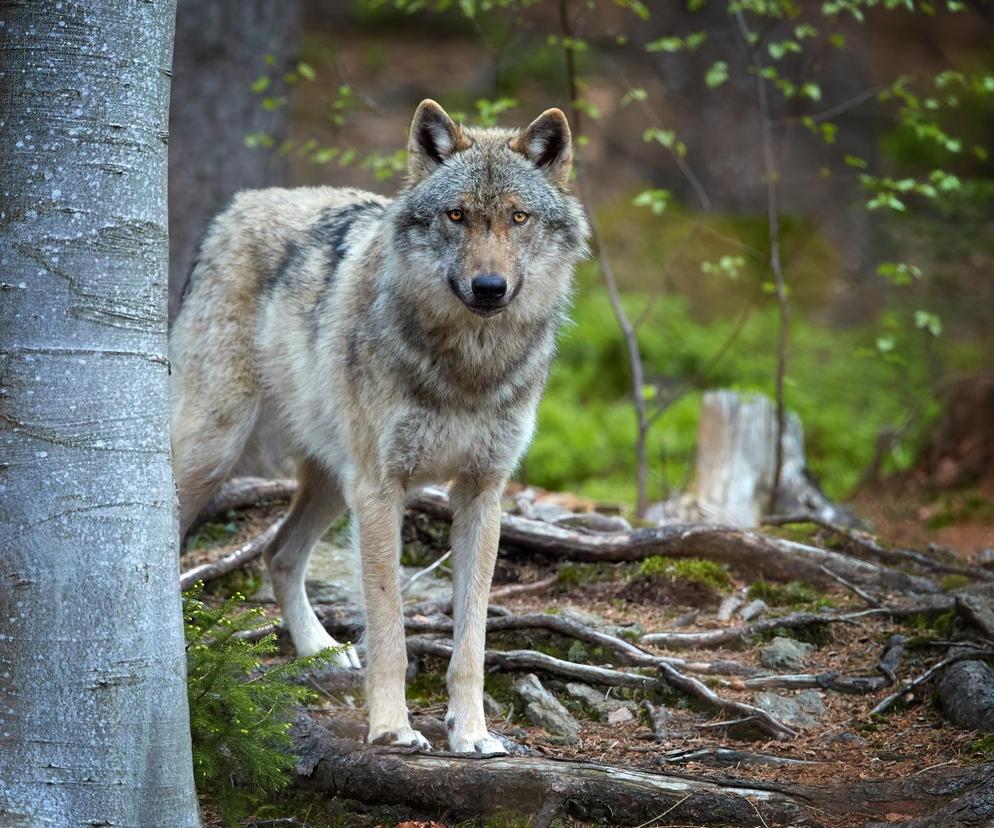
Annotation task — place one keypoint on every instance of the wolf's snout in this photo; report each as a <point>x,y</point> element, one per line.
<point>489,287</point>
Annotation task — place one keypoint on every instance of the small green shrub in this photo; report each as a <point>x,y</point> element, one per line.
<point>240,710</point>
<point>953,582</point>
<point>692,570</point>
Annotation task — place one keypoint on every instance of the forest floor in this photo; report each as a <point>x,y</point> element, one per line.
<point>840,741</point>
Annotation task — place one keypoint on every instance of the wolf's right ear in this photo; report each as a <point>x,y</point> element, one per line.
<point>547,143</point>
<point>434,137</point>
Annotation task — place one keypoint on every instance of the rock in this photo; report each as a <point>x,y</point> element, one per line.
<point>549,512</point>
<point>726,609</point>
<point>595,522</point>
<point>802,711</point>
<point>493,708</point>
<point>333,577</point>
<point>582,616</point>
<point>845,739</point>
<point>620,716</point>
<point>784,654</point>
<point>543,709</point>
<point>978,611</point>
<point>753,609</point>
<point>966,695</point>
<point>985,557</point>
<point>603,706</point>
<point>687,618</point>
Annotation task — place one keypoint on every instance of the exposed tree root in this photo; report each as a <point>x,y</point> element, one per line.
<point>331,759</point>
<point>248,551</point>
<point>763,555</point>
<point>459,787</point>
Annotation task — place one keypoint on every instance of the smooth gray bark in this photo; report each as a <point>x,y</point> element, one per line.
<point>94,727</point>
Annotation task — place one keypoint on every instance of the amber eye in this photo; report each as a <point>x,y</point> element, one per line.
<point>519,217</point>
<point>455,215</point>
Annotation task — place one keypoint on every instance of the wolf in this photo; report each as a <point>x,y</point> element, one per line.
<point>396,343</point>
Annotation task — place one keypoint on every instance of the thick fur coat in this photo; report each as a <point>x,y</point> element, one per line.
<point>396,343</point>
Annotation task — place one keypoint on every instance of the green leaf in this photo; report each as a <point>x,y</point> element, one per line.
<point>717,74</point>
<point>925,320</point>
<point>655,200</point>
<point>260,84</point>
<point>306,71</point>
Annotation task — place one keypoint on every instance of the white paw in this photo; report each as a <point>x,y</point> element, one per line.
<point>485,745</point>
<point>401,737</point>
<point>347,658</point>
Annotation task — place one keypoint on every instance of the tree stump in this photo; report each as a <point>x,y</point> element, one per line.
<point>734,470</point>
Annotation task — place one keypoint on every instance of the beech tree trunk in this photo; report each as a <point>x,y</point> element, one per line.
<point>94,726</point>
<point>736,455</point>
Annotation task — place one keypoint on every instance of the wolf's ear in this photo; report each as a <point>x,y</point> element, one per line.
<point>548,145</point>
<point>434,137</point>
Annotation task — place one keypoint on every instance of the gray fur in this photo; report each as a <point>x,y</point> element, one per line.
<point>352,320</point>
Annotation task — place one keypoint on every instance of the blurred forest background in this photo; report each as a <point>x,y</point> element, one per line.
<point>877,126</point>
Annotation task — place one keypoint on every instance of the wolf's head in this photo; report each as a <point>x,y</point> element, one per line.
<point>487,224</point>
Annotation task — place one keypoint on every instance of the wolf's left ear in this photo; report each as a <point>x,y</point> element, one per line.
<point>547,143</point>
<point>434,137</point>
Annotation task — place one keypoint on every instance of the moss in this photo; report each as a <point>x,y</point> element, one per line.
<point>794,594</point>
<point>939,626</point>
<point>983,748</point>
<point>428,686</point>
<point>212,534</point>
<point>954,582</point>
<point>577,574</point>
<point>692,570</point>
<point>500,686</point>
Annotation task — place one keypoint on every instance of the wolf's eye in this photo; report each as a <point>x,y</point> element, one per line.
<point>519,217</point>
<point>455,215</point>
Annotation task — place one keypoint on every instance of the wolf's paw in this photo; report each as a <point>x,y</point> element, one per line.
<point>485,745</point>
<point>348,658</point>
<point>402,737</point>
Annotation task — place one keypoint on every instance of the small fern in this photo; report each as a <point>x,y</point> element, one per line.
<point>240,710</point>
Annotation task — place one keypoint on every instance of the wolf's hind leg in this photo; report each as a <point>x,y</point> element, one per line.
<point>208,437</point>
<point>317,503</point>
<point>475,532</point>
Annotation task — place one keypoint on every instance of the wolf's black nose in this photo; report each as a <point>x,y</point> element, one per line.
<point>489,287</point>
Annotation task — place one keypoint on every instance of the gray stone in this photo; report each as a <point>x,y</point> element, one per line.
<point>594,700</point>
<point>543,709</point>
<point>753,609</point>
<point>985,557</point>
<point>493,708</point>
<point>333,576</point>
<point>595,522</point>
<point>966,695</point>
<point>803,711</point>
<point>978,610</point>
<point>549,512</point>
<point>785,654</point>
<point>620,716</point>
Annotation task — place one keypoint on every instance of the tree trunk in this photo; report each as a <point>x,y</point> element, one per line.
<point>735,468</point>
<point>94,724</point>
<point>220,50</point>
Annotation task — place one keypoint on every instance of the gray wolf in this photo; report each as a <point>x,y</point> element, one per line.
<point>396,343</point>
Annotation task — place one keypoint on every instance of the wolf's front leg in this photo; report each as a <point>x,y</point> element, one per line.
<point>378,511</point>
<point>475,532</point>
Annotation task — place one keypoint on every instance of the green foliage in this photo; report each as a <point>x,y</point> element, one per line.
<point>240,709</point>
<point>950,583</point>
<point>691,570</point>
<point>983,748</point>
<point>794,594</point>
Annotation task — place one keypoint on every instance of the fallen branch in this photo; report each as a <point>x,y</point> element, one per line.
<point>966,655</point>
<point>628,653</point>
<point>248,551</point>
<point>736,635</point>
<point>764,556</point>
<point>730,755</point>
<point>243,492</point>
<point>871,547</point>
<point>702,692</point>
